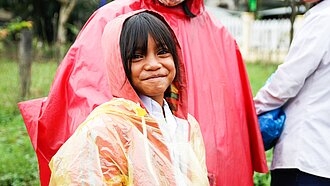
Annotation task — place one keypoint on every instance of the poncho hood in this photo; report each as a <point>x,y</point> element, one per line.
<point>121,87</point>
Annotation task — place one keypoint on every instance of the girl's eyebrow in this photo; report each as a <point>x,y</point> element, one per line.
<point>161,44</point>
<point>138,49</point>
<point>162,47</point>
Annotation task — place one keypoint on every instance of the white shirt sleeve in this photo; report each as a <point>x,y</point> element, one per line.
<point>306,52</point>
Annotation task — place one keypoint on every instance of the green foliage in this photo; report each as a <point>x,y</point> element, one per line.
<point>73,29</point>
<point>11,31</point>
<point>258,74</point>
<point>18,162</point>
<point>17,26</point>
<point>45,51</point>
<point>263,179</point>
<point>41,12</point>
<point>45,14</point>
<point>41,50</point>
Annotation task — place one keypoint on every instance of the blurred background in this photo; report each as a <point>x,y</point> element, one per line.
<point>35,35</point>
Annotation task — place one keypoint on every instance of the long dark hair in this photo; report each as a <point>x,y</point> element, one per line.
<point>134,36</point>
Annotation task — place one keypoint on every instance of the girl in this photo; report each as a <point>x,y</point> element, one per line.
<point>144,135</point>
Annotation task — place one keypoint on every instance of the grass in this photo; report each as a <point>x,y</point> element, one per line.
<point>258,75</point>
<point>18,163</point>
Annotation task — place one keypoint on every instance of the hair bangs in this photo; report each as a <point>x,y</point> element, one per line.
<point>136,39</point>
<point>160,33</point>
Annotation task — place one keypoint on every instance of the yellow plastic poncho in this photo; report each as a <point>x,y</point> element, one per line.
<point>120,144</point>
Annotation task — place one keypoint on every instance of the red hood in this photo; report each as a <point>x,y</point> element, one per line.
<point>196,7</point>
<point>120,86</point>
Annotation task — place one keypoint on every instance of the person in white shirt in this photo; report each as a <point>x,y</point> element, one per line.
<point>301,87</point>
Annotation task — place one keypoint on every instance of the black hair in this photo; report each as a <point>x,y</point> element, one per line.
<point>134,36</point>
<point>187,10</point>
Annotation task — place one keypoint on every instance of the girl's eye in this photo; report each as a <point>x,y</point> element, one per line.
<point>163,52</point>
<point>137,57</point>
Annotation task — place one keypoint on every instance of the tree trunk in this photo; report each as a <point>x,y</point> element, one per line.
<point>293,6</point>
<point>25,61</point>
<point>66,9</point>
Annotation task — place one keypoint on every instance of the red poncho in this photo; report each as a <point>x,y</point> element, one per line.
<point>219,94</point>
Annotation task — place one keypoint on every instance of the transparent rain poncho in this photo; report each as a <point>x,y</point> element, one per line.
<point>120,144</point>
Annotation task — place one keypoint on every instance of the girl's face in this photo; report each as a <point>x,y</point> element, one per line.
<point>153,72</point>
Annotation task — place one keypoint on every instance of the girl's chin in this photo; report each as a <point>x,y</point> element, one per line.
<point>154,91</point>
<point>156,84</point>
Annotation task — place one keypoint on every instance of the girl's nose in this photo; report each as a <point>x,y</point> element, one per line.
<point>152,64</point>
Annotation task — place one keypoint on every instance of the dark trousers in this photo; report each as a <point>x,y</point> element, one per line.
<point>295,177</point>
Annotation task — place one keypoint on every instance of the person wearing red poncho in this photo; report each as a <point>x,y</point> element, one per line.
<point>219,94</point>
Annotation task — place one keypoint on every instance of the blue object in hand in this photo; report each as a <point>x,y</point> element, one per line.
<point>271,126</point>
